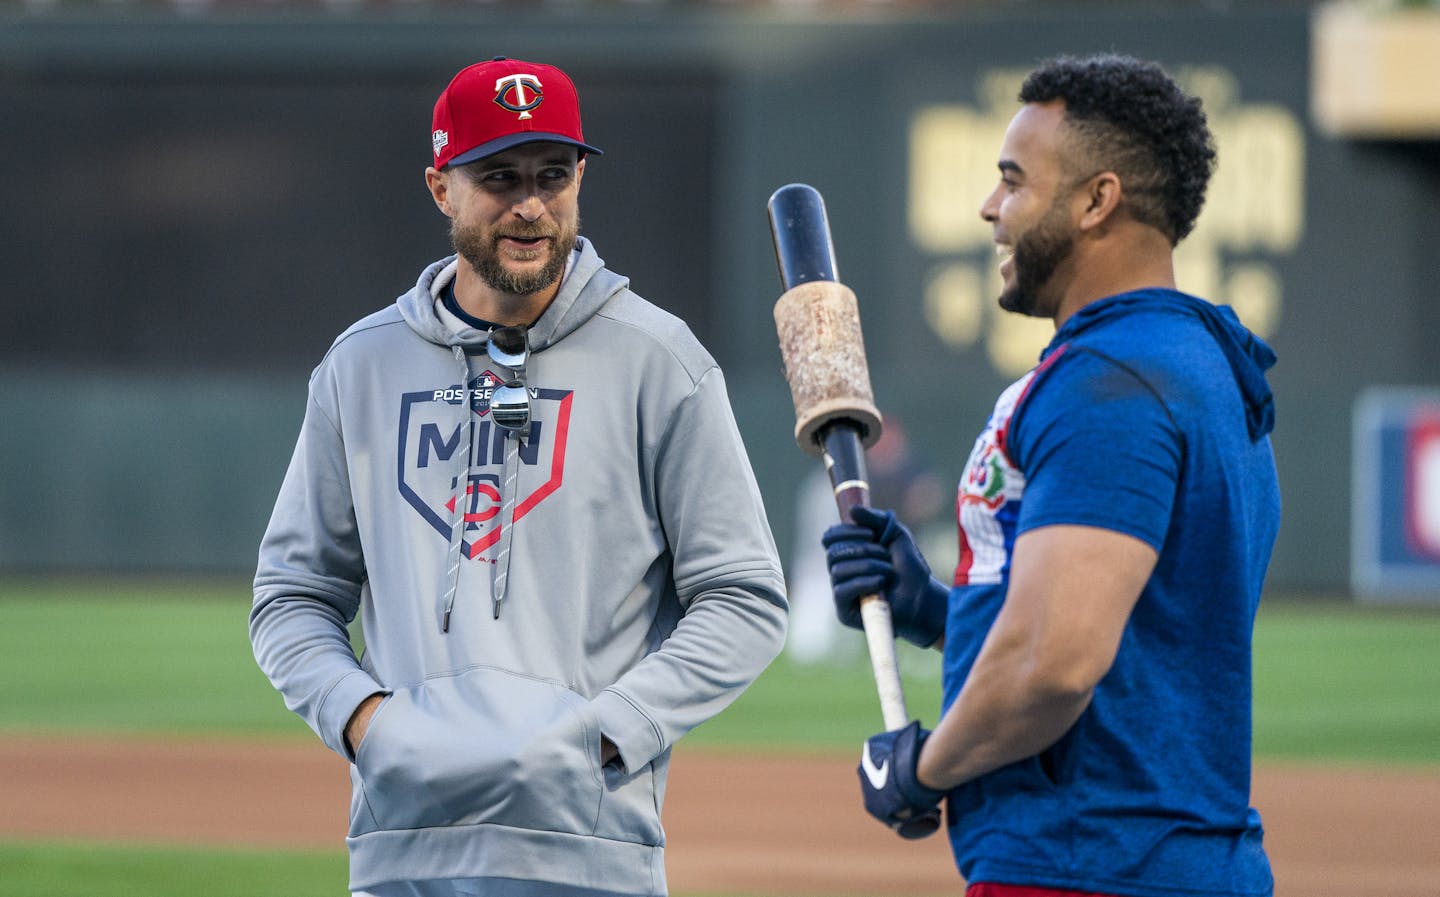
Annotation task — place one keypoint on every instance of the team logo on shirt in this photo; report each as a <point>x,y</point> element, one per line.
<point>436,448</point>
<point>985,478</point>
<point>988,504</point>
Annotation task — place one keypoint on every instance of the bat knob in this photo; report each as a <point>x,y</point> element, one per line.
<point>919,827</point>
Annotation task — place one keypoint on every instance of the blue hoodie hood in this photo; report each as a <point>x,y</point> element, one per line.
<point>1249,356</point>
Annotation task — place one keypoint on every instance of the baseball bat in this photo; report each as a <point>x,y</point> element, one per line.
<point>836,417</point>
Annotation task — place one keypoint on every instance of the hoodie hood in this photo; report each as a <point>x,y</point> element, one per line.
<point>1249,356</point>
<point>587,286</point>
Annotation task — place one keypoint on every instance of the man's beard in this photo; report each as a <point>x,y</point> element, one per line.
<point>1038,253</point>
<point>480,247</point>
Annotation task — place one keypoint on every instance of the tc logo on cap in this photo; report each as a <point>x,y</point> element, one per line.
<point>511,94</point>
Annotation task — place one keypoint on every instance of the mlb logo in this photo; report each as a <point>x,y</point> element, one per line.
<point>439,443</point>
<point>1395,495</point>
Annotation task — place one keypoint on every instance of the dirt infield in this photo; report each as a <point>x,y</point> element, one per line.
<point>742,825</point>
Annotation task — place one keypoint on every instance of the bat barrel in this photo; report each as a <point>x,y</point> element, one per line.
<point>818,322</point>
<point>801,233</point>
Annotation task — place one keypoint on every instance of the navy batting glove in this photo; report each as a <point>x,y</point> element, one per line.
<point>892,793</point>
<point>877,555</point>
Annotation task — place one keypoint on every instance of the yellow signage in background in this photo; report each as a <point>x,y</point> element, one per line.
<point>1254,214</point>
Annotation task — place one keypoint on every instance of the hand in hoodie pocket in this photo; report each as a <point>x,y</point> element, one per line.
<point>480,746</point>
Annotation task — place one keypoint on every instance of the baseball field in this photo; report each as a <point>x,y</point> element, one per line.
<point>142,753</point>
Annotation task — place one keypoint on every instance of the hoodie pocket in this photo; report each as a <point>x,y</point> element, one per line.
<point>481,746</point>
<point>630,807</point>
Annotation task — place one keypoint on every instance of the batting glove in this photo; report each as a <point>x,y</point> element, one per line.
<point>892,793</point>
<point>876,555</point>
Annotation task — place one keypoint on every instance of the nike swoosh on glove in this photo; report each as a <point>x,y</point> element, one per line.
<point>877,555</point>
<point>892,793</point>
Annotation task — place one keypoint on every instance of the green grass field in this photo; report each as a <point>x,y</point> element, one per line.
<point>74,870</point>
<point>1333,683</point>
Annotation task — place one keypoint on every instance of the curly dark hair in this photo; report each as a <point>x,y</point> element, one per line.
<point>1132,118</point>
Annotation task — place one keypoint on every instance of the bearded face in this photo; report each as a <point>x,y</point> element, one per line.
<point>1039,251</point>
<point>480,246</point>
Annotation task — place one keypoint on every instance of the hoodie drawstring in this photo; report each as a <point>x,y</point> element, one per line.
<point>508,492</point>
<point>460,494</point>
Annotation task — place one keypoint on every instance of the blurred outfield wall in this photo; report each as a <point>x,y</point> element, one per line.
<point>195,205</point>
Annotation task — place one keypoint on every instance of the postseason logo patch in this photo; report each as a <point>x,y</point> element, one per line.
<point>435,447</point>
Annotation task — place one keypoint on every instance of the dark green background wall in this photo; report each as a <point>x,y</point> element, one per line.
<point>194,207</point>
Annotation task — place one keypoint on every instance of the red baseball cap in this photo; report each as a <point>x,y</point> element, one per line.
<point>491,106</point>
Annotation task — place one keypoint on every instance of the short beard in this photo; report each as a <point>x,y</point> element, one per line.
<point>1038,253</point>
<point>479,247</point>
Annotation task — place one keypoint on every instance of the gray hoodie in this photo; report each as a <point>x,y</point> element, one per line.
<point>612,572</point>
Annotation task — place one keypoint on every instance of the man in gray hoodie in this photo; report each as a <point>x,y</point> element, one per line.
<point>527,483</point>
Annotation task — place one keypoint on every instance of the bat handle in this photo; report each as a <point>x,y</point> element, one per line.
<point>845,461</point>
<point>844,454</point>
<point>880,637</point>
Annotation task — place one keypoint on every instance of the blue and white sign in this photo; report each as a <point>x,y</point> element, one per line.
<point>1395,500</point>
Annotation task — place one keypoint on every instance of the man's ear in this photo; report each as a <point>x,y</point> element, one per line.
<point>1102,197</point>
<point>438,183</point>
<point>579,171</point>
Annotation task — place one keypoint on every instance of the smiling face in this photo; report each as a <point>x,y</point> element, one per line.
<point>1036,255</point>
<point>1030,212</point>
<point>515,216</point>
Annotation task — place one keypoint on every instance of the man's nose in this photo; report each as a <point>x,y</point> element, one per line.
<point>988,208</point>
<point>529,206</point>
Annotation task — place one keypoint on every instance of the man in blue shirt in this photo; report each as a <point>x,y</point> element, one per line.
<point>1116,517</point>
